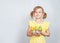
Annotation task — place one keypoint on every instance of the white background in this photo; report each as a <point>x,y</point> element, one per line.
<point>14,17</point>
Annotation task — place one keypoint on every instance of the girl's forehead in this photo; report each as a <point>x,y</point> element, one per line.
<point>39,9</point>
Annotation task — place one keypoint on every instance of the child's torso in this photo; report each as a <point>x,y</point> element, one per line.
<point>44,25</point>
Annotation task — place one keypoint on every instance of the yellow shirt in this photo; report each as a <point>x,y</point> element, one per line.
<point>39,39</point>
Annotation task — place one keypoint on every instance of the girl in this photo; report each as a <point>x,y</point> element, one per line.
<point>38,15</point>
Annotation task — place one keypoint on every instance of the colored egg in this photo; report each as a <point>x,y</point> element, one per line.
<point>40,28</point>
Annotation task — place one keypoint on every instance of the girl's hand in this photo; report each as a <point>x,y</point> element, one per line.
<point>46,33</point>
<point>37,33</point>
<point>29,32</point>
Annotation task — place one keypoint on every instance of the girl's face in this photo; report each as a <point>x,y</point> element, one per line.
<point>38,13</point>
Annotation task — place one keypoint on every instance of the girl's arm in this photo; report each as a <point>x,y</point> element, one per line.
<point>46,33</point>
<point>29,32</point>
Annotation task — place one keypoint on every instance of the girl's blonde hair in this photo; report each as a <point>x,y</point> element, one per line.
<point>37,7</point>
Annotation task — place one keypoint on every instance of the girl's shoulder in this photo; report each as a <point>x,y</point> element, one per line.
<point>47,23</point>
<point>31,21</point>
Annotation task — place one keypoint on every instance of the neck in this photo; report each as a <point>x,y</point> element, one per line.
<point>39,20</point>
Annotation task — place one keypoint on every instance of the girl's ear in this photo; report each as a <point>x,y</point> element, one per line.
<point>42,13</point>
<point>33,15</point>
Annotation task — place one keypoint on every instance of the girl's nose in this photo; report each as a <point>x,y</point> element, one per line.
<point>37,15</point>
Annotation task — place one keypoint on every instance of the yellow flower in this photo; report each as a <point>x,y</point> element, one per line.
<point>33,26</point>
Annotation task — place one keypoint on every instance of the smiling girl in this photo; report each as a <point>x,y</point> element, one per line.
<point>38,36</point>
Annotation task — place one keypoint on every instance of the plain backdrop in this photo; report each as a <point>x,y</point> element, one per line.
<point>15,14</point>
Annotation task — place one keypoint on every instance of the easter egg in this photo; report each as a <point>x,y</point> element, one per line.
<point>40,28</point>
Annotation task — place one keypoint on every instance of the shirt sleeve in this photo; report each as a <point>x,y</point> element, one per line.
<point>30,23</point>
<point>47,25</point>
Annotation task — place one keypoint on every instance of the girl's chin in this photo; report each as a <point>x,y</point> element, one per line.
<point>37,17</point>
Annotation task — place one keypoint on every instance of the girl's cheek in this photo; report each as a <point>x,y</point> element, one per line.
<point>35,14</point>
<point>40,14</point>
